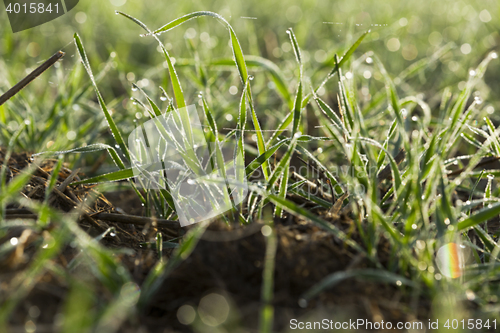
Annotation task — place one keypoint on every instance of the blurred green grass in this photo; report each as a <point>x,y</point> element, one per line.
<point>60,110</point>
<point>402,33</point>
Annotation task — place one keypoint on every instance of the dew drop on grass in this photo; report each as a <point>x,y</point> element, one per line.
<point>288,31</point>
<point>134,88</point>
<point>478,100</point>
<point>494,55</point>
<point>163,98</point>
<point>250,77</point>
<point>191,182</point>
<point>200,94</point>
<point>302,303</point>
<point>490,177</point>
<point>112,234</point>
<point>472,72</point>
<point>404,113</point>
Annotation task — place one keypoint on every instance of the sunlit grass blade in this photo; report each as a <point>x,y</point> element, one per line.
<point>296,48</point>
<point>123,174</point>
<point>153,105</point>
<point>258,131</point>
<point>337,65</point>
<point>481,216</point>
<point>111,123</point>
<point>236,48</point>
<point>283,164</point>
<point>176,85</point>
<point>258,161</point>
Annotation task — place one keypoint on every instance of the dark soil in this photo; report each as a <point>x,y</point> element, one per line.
<point>227,261</point>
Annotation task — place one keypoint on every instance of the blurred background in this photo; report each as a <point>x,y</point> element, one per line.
<point>62,113</point>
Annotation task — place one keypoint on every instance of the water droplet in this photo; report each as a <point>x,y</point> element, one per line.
<point>490,177</point>
<point>414,118</point>
<point>302,303</point>
<point>494,55</point>
<point>163,98</point>
<point>478,100</point>
<point>250,77</point>
<point>288,31</point>
<point>404,113</point>
<point>112,234</point>
<point>117,146</point>
<point>472,72</point>
<point>134,88</point>
<point>191,182</point>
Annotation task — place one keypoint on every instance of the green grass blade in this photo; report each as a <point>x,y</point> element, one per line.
<point>111,123</point>
<point>123,174</point>
<point>260,137</point>
<point>297,110</point>
<point>257,162</point>
<point>236,48</point>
